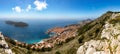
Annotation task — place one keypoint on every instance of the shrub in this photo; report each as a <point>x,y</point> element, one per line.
<point>109,12</point>
<point>72,50</point>
<point>115,20</point>
<point>38,49</point>
<point>46,49</point>
<point>28,47</point>
<point>0,38</point>
<point>81,39</point>
<point>97,30</point>
<point>85,28</point>
<point>104,38</point>
<point>29,52</point>
<point>59,43</point>
<point>12,41</point>
<point>68,39</point>
<point>57,52</point>
<point>33,49</point>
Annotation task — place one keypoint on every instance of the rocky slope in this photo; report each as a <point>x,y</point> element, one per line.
<point>4,48</point>
<point>109,42</point>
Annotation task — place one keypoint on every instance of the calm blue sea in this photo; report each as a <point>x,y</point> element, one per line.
<point>35,32</point>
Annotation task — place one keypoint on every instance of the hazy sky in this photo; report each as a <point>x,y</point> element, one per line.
<point>56,8</point>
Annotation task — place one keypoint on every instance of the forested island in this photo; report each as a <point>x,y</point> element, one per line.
<point>16,24</point>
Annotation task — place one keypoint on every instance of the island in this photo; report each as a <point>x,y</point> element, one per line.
<point>16,24</point>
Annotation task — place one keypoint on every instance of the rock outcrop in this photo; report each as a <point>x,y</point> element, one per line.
<point>4,48</point>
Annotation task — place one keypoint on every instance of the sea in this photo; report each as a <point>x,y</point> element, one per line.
<point>36,31</point>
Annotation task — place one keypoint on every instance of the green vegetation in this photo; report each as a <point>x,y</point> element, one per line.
<point>10,41</point>
<point>71,51</point>
<point>69,39</point>
<point>29,52</point>
<point>46,49</point>
<point>0,38</point>
<point>28,47</point>
<point>81,39</point>
<point>57,52</point>
<point>93,29</point>
<point>115,20</point>
<point>84,28</point>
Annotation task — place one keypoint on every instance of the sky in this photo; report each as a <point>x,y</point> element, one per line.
<point>56,9</point>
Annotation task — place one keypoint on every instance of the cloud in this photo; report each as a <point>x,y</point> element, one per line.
<point>40,5</point>
<point>17,9</point>
<point>28,8</point>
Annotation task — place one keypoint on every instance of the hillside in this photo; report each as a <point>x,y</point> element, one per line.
<point>109,39</point>
<point>88,37</point>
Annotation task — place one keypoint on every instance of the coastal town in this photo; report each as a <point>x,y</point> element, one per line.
<point>59,36</point>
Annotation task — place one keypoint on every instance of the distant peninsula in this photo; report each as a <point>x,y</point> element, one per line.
<point>16,24</point>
